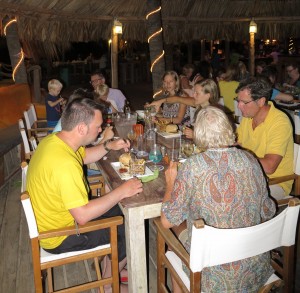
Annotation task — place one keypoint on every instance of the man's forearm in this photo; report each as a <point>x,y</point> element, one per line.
<point>95,153</point>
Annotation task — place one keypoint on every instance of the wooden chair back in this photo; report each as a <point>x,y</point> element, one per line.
<point>43,260</point>
<point>33,143</point>
<point>24,167</point>
<point>33,125</point>
<point>211,246</point>
<point>295,176</point>
<point>97,185</point>
<point>27,150</point>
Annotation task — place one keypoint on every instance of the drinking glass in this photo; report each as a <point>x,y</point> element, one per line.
<point>132,137</point>
<point>141,147</point>
<point>188,148</point>
<point>152,111</point>
<point>155,156</point>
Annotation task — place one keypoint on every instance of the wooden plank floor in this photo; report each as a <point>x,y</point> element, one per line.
<point>16,274</point>
<point>15,253</point>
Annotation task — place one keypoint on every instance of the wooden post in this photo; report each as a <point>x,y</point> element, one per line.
<point>157,56</point>
<point>227,50</point>
<point>114,59</point>
<point>202,50</point>
<point>190,52</point>
<point>252,54</point>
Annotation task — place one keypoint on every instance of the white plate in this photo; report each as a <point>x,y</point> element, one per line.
<point>126,176</point>
<point>169,135</point>
<point>294,104</point>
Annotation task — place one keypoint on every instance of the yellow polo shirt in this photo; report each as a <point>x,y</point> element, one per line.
<point>56,184</point>
<point>273,136</point>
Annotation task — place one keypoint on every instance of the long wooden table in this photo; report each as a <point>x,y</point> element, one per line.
<point>136,210</point>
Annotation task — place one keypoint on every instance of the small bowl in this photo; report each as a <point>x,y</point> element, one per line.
<point>141,113</point>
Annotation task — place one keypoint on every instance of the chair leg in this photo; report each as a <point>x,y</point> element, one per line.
<point>161,272</point>
<point>288,269</point>
<point>99,277</point>
<point>49,280</point>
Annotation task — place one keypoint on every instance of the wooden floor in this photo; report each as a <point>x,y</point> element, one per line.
<point>15,253</point>
<point>16,275</point>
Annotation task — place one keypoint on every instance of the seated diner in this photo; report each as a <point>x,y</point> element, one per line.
<point>215,185</point>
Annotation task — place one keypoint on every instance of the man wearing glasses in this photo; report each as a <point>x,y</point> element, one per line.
<point>292,70</point>
<point>266,131</point>
<point>98,79</point>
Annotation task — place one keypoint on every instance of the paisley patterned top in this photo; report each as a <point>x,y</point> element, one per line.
<point>226,187</point>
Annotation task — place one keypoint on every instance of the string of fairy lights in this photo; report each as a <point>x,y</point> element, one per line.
<point>21,54</point>
<point>150,38</point>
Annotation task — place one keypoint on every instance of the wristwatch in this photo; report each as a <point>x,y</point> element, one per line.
<point>105,145</point>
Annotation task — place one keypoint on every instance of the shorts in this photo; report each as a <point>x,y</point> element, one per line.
<point>95,238</point>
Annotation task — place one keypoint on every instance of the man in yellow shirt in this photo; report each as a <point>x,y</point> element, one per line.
<point>57,186</point>
<point>266,131</point>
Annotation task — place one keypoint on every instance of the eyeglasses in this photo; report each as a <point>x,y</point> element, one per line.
<point>244,103</point>
<point>95,80</point>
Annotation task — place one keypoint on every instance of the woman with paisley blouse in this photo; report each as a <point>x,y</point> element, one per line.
<point>226,187</point>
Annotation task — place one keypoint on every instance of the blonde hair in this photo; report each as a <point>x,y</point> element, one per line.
<point>102,90</point>
<point>176,78</point>
<point>211,88</point>
<point>54,84</point>
<point>212,129</point>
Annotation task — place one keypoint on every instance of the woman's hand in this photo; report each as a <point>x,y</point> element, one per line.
<point>188,132</point>
<point>156,104</point>
<point>171,174</point>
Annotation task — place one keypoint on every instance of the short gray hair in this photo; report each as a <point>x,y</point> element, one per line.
<point>213,129</point>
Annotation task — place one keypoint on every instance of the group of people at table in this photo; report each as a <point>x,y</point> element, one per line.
<point>225,184</point>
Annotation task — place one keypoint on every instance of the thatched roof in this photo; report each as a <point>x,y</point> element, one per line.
<point>62,21</point>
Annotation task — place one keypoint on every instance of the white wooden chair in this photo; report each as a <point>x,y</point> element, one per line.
<point>24,167</point>
<point>43,260</point>
<point>211,246</point>
<point>297,126</point>
<point>28,145</point>
<point>27,150</point>
<point>33,143</point>
<point>33,124</point>
<point>295,176</point>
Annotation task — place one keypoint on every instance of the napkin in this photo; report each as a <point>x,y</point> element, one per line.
<point>150,177</point>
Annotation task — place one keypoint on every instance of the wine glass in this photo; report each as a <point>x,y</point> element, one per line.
<point>155,156</point>
<point>152,111</point>
<point>188,148</point>
<point>132,137</point>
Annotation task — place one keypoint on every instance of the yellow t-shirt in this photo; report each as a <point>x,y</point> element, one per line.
<point>227,91</point>
<point>56,184</point>
<point>273,136</point>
